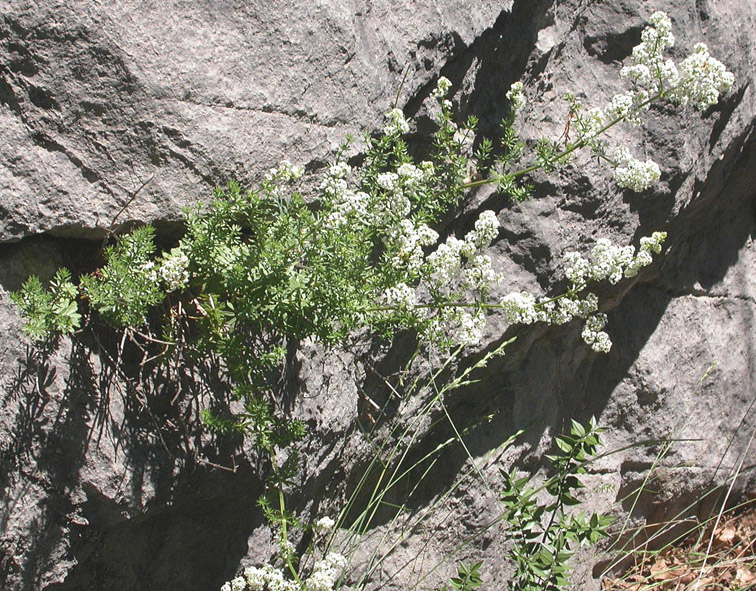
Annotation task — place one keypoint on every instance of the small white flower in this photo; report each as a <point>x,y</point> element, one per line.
<point>285,171</point>
<point>620,105</point>
<point>577,268</point>
<point>396,124</point>
<point>410,174</point>
<point>470,328</point>
<point>444,264</point>
<point>609,261</point>
<point>401,297</point>
<point>320,581</point>
<point>519,308</point>
<point>335,561</point>
<point>486,230</point>
<point>479,273</point>
<point>388,180</point>
<point>639,74</point>
<point>654,242</point>
<point>442,88</point>
<point>340,170</point>
<point>324,524</point>
<point>516,96</point>
<point>174,271</point>
<point>428,169</point>
<point>149,270</point>
<point>426,235</point>
<point>590,124</point>
<point>593,334</point>
<point>588,305</point>
<point>633,174</point>
<point>255,578</point>
<point>702,79</point>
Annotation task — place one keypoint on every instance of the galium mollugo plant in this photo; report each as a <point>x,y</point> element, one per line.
<point>259,270</point>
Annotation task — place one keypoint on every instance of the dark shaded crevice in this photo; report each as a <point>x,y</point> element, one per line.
<point>192,540</point>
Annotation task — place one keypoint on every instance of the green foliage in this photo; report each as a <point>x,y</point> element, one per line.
<point>127,286</point>
<point>544,532</point>
<point>467,579</point>
<point>49,312</point>
<point>549,155</point>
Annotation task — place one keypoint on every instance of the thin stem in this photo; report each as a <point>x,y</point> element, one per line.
<point>284,522</point>
<point>568,150</point>
<point>480,305</point>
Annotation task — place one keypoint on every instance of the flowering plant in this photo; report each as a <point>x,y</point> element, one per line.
<point>259,270</point>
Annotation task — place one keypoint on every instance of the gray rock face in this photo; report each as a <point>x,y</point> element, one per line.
<point>116,112</point>
<point>99,98</point>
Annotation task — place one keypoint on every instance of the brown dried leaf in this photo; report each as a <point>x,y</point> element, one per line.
<point>661,570</point>
<point>744,577</point>
<point>726,534</point>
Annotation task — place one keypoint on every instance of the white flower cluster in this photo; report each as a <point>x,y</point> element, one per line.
<point>150,271</point>
<point>400,297</point>
<point>454,268</point>
<point>702,79</point>
<point>699,80</point>
<point>334,183</point>
<point>516,96</point>
<point>633,174</point>
<point>457,262</point>
<point>410,174</point>
<point>324,524</point>
<point>524,308</point>
<point>174,270</point>
<point>406,243</point>
<point>590,125</point>
<point>479,273</point>
<point>610,262</point>
<point>625,105</point>
<point>396,124</point>
<point>388,180</point>
<point>454,326</point>
<point>325,574</point>
<point>286,171</point>
<point>346,203</point>
<point>267,578</point>
<point>594,335</point>
<point>607,262</point>
<point>471,326</point>
<point>648,67</point>
<point>383,209</point>
<point>442,88</point>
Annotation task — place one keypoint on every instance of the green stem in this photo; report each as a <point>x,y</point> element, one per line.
<point>482,305</point>
<point>567,151</point>
<point>282,509</point>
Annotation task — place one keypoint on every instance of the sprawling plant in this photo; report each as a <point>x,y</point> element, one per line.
<point>259,270</point>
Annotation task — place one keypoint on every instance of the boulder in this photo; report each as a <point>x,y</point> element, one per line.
<point>122,113</point>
